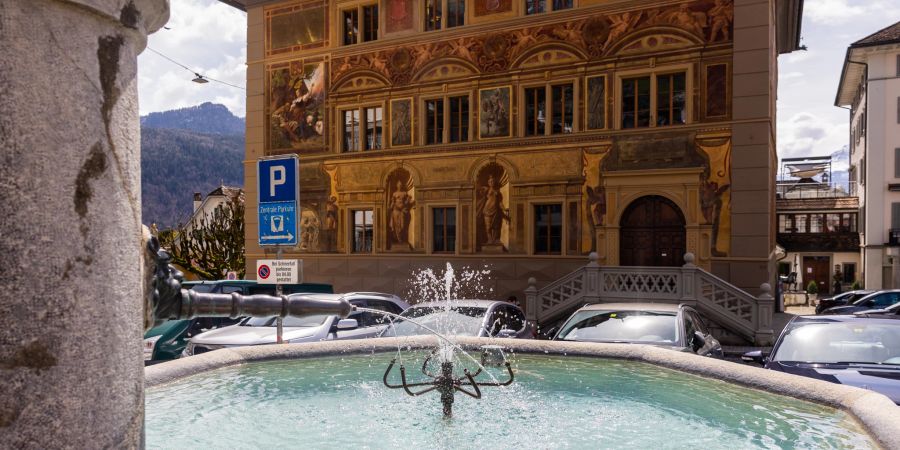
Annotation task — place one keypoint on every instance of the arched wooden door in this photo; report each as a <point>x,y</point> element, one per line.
<point>652,233</point>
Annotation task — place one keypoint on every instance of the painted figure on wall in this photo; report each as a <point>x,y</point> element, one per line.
<point>596,204</point>
<point>596,107</point>
<point>715,198</point>
<point>330,226</point>
<point>309,230</point>
<point>491,208</point>
<point>494,114</point>
<point>720,17</point>
<point>399,15</point>
<point>400,205</point>
<point>297,102</point>
<point>401,213</point>
<point>401,126</point>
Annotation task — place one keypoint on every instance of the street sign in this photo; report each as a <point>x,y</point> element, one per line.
<point>279,271</point>
<point>279,193</point>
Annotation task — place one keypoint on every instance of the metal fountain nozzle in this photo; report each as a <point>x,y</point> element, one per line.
<point>445,383</point>
<point>169,301</point>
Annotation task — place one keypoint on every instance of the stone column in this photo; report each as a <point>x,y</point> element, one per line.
<point>71,296</point>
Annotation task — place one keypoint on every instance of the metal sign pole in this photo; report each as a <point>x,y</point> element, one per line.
<point>279,290</point>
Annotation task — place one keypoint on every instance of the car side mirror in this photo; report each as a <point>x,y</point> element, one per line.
<point>347,324</point>
<point>551,333</point>
<point>698,341</point>
<point>756,356</point>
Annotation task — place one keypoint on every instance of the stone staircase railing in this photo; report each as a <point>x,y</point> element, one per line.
<point>731,307</point>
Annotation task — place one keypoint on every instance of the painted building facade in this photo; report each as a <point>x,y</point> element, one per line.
<point>519,136</point>
<point>870,87</point>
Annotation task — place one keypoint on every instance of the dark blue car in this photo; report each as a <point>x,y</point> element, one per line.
<point>877,300</point>
<point>853,350</point>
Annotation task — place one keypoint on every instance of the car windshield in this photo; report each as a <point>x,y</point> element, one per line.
<point>308,321</point>
<point>621,326</point>
<point>841,342</point>
<point>462,321</point>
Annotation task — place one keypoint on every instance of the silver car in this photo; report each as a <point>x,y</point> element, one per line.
<point>482,318</point>
<point>678,327</point>
<point>320,327</point>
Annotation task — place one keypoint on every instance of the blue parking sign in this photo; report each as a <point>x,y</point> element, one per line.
<point>279,192</point>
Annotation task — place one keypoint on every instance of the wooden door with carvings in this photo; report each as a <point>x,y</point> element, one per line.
<point>652,233</point>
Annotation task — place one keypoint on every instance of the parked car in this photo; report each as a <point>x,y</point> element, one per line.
<point>878,300</point>
<point>319,327</point>
<point>168,340</point>
<point>481,318</point>
<point>852,350</point>
<point>889,311</point>
<point>678,327</point>
<point>841,300</point>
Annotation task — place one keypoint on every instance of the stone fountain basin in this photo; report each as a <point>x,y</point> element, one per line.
<point>877,414</point>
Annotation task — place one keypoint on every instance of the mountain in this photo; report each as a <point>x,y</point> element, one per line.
<point>207,118</point>
<point>188,150</point>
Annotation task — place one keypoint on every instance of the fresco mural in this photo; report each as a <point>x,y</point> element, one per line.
<point>487,7</point>
<point>297,106</point>
<point>493,114</point>
<point>715,193</point>
<point>401,122</point>
<point>596,103</point>
<point>492,209</point>
<point>593,196</point>
<point>297,27</point>
<point>401,202</point>
<point>399,15</point>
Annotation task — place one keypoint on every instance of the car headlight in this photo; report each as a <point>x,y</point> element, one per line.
<point>149,344</point>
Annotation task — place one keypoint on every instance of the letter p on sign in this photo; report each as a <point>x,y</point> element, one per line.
<point>276,178</point>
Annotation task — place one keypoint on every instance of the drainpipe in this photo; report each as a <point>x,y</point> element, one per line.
<point>71,367</point>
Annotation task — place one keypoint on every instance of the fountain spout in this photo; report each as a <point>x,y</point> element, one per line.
<point>169,301</point>
<point>445,383</point>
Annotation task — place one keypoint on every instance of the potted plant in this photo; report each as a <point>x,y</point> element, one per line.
<point>812,289</point>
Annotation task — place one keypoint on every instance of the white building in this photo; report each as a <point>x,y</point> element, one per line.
<point>870,87</point>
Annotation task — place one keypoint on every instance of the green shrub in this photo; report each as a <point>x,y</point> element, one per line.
<point>812,288</point>
<point>856,285</point>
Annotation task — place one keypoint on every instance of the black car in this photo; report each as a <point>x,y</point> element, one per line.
<point>889,311</point>
<point>852,350</point>
<point>878,300</point>
<point>840,300</point>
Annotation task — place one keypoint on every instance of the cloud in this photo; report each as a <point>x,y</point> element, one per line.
<point>211,39</point>
<point>832,12</point>
<point>807,134</point>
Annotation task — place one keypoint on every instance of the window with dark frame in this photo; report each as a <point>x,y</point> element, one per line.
<point>450,115</point>
<point>443,230</point>
<point>434,121</point>
<point>559,5</point>
<point>459,118</point>
<point>636,102</point>
<point>562,97</point>
<point>374,133</point>
<point>370,23</point>
<point>363,231</point>
<point>535,111</point>
<point>670,99</point>
<point>818,223</point>
<point>351,26</point>
<point>456,13</point>
<point>535,6</point>
<point>548,229</point>
<point>432,15</point>
<point>351,130</point>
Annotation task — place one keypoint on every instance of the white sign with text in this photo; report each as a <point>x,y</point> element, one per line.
<point>279,271</point>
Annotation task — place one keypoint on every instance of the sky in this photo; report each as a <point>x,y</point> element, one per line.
<point>210,38</point>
